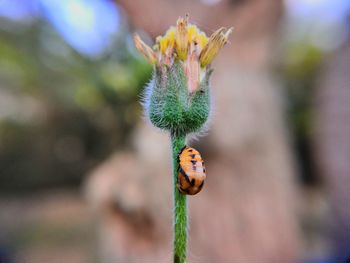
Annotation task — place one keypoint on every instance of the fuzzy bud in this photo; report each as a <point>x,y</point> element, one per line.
<point>177,98</point>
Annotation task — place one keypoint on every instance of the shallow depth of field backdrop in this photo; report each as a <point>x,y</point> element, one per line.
<point>83,178</point>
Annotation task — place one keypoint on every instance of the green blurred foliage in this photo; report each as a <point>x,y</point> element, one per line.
<point>62,113</point>
<point>301,67</point>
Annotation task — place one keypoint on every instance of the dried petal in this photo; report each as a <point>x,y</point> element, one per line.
<point>181,38</point>
<point>192,69</point>
<point>145,50</point>
<point>217,40</point>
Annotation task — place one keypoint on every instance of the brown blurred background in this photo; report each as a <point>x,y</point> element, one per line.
<point>84,178</point>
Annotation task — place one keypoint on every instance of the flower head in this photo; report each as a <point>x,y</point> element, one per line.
<point>177,98</point>
<point>188,45</point>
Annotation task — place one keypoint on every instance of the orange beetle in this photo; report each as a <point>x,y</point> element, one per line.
<point>191,172</point>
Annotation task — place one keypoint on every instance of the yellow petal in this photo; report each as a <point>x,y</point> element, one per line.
<point>192,32</point>
<point>202,40</point>
<point>163,44</point>
<point>145,50</point>
<point>170,35</point>
<point>216,41</point>
<point>166,41</point>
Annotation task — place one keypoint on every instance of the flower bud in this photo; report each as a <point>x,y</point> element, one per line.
<point>170,106</point>
<point>177,98</point>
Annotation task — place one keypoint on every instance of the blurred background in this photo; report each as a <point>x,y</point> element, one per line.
<point>84,178</point>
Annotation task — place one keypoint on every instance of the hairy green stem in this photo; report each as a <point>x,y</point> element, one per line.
<point>180,206</point>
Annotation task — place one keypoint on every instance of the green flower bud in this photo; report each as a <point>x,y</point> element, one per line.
<point>171,106</point>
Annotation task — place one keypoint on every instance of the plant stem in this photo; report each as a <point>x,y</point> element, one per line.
<point>180,206</point>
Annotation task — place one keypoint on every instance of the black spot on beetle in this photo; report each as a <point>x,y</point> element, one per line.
<point>192,156</point>
<point>201,186</point>
<point>184,174</point>
<point>182,149</point>
<point>193,181</point>
<point>193,162</point>
<point>190,150</point>
<point>184,190</point>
